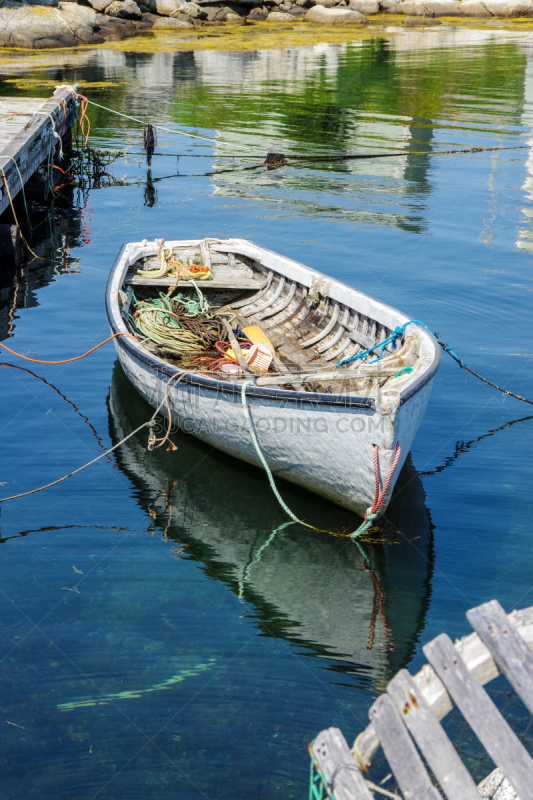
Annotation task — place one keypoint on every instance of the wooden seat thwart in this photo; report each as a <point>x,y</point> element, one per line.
<point>405,720</point>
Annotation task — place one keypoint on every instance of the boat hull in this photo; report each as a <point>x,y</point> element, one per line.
<point>327,449</point>
<point>319,440</point>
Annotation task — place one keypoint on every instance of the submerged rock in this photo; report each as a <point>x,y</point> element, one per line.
<point>334,16</point>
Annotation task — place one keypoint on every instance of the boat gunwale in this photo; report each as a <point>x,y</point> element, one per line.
<point>135,349</point>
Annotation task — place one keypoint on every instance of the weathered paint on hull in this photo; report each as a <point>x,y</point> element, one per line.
<point>327,449</point>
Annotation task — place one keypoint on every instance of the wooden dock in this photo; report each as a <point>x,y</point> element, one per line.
<point>423,761</point>
<point>30,133</point>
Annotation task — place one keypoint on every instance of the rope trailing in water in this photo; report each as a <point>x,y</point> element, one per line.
<point>259,452</point>
<point>159,127</point>
<point>448,349</point>
<point>371,512</point>
<point>318,157</point>
<point>66,360</point>
<point>396,334</point>
<point>152,444</point>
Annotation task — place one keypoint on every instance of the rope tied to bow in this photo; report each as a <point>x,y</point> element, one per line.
<point>397,333</point>
<point>372,512</point>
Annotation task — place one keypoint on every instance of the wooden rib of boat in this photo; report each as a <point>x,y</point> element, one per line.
<point>317,424</point>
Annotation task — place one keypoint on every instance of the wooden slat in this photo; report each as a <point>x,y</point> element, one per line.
<point>216,283</point>
<point>401,753</point>
<point>362,338</point>
<point>478,660</point>
<point>15,113</point>
<point>430,737</point>
<point>338,767</point>
<point>509,650</point>
<point>338,375</point>
<point>500,742</point>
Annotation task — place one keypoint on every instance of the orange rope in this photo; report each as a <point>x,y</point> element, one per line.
<point>84,118</point>
<point>64,113</point>
<point>66,360</point>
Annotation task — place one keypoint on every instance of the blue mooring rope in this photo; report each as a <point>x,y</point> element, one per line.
<point>396,334</point>
<point>399,331</point>
<point>448,349</point>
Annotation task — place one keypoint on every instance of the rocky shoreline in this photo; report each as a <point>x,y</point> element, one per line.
<point>68,23</point>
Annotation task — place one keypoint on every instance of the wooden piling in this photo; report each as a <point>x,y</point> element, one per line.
<point>10,250</point>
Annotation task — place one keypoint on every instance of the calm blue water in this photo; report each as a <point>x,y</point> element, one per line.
<point>151,646</point>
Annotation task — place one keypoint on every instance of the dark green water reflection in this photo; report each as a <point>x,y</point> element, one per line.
<point>162,634</point>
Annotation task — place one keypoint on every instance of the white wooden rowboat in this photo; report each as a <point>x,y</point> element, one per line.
<point>319,430</point>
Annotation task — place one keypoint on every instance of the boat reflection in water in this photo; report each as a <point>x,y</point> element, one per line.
<point>311,588</point>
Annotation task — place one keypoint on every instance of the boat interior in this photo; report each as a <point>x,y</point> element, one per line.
<point>307,331</point>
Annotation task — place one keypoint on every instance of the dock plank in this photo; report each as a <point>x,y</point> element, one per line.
<point>29,145</point>
<point>401,753</point>
<point>431,739</point>
<point>15,113</point>
<point>338,767</point>
<point>492,730</point>
<point>509,650</point>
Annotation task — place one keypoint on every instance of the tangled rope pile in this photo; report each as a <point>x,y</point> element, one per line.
<point>183,327</point>
<point>166,323</point>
